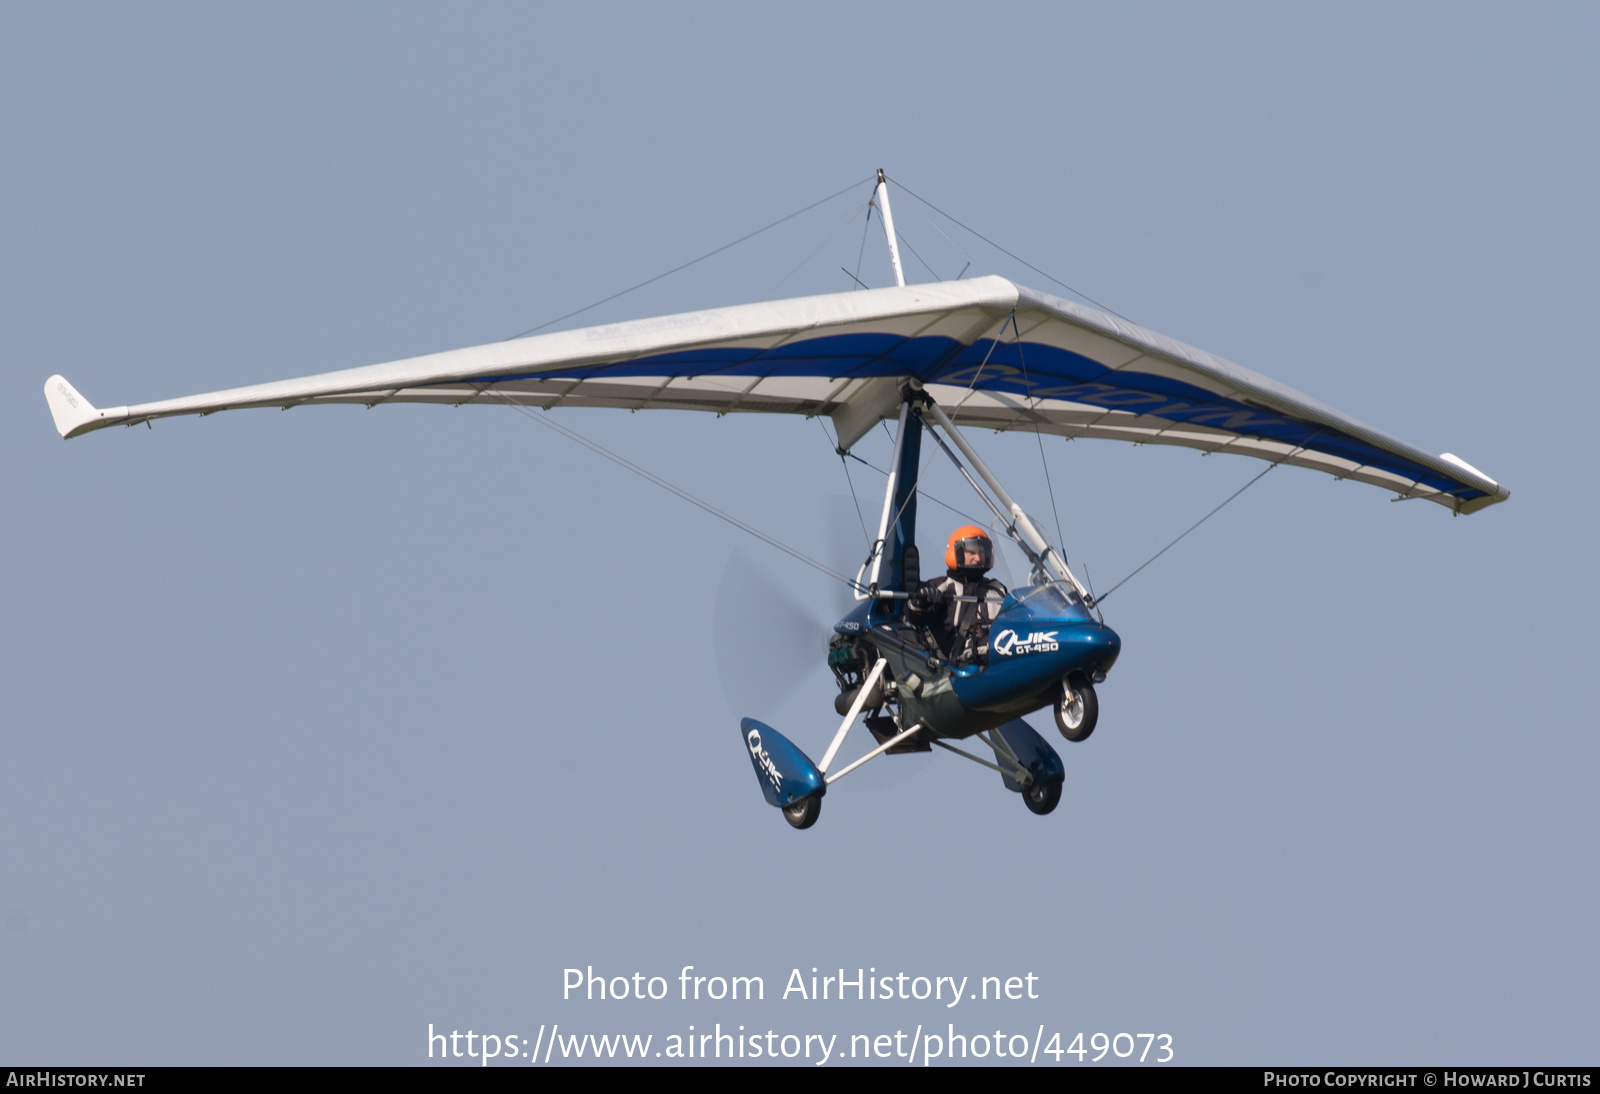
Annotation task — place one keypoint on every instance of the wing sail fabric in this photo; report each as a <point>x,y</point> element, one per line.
<point>993,353</point>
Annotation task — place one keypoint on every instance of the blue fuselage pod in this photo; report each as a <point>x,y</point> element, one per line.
<point>1027,662</point>
<point>1041,636</point>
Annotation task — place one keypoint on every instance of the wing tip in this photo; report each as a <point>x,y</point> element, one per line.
<point>1492,496</point>
<point>73,414</point>
<point>1452,458</point>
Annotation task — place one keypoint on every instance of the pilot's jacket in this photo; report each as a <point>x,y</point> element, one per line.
<point>960,627</point>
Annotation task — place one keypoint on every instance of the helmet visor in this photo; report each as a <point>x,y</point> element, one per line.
<point>974,553</point>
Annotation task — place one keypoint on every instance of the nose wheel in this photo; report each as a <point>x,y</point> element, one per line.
<point>1077,710</point>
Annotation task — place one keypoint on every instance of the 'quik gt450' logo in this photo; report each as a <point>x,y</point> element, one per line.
<point>1009,644</point>
<point>763,760</point>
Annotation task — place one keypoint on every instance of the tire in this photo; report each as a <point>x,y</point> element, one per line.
<point>1077,719</point>
<point>803,813</point>
<point>1042,798</point>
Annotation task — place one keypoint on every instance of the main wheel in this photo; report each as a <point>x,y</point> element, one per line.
<point>804,813</point>
<point>1077,711</point>
<point>1041,798</point>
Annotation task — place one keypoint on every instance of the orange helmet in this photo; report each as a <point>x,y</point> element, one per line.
<point>967,542</point>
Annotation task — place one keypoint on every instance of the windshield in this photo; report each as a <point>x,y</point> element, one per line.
<point>1056,599</point>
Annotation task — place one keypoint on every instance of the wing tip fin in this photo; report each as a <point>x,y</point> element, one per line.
<point>74,415</point>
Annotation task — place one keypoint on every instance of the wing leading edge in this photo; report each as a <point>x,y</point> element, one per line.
<point>993,353</point>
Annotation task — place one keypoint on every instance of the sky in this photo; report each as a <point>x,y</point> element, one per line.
<point>321,729</point>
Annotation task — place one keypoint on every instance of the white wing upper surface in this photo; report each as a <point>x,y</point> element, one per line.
<point>1057,367</point>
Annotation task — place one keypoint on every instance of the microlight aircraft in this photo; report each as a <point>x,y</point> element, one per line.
<point>934,358</point>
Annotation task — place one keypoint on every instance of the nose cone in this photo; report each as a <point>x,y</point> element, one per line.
<point>1090,648</point>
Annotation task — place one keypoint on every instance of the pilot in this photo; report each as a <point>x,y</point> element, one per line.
<point>960,607</point>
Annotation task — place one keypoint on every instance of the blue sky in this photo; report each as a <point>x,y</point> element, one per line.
<point>323,726</point>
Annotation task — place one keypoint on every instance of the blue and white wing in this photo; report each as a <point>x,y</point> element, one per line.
<point>992,353</point>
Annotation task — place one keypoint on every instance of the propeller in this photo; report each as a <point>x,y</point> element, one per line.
<point>768,642</point>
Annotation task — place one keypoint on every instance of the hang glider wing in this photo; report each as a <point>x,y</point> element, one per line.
<point>992,353</point>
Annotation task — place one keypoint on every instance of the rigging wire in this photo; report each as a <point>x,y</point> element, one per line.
<point>916,484</point>
<point>993,342</point>
<point>648,476</point>
<point>1094,601</point>
<point>968,517</point>
<point>934,225</point>
<point>833,442</point>
<point>1022,360</point>
<point>750,529</point>
<point>1003,251</point>
<point>1192,527</point>
<point>913,250</point>
<point>691,262</point>
<point>813,254</point>
<point>862,250</point>
<point>772,541</point>
<point>753,263</point>
<point>911,495</point>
